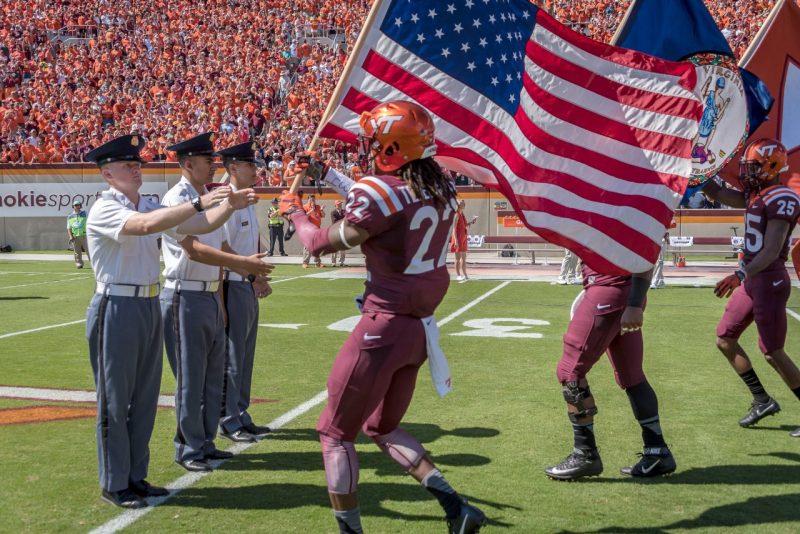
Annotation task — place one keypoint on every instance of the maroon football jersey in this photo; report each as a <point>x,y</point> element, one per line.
<point>593,278</point>
<point>407,247</point>
<point>773,203</point>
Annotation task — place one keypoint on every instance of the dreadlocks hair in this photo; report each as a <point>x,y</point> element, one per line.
<point>427,179</point>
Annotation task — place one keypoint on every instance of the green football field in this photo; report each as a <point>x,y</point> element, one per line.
<point>504,422</point>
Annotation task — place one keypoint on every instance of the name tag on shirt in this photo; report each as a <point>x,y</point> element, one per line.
<point>245,223</point>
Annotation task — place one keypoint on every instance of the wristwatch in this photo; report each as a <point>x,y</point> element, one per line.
<point>251,278</point>
<point>197,202</point>
<point>741,274</point>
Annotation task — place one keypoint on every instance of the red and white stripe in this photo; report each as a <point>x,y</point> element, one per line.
<point>780,192</point>
<point>380,193</point>
<point>596,158</point>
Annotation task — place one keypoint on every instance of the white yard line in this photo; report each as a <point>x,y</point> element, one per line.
<point>32,273</point>
<point>48,282</point>
<point>12,334</point>
<point>473,303</point>
<point>127,518</point>
<point>288,279</point>
<point>65,395</point>
<point>793,314</point>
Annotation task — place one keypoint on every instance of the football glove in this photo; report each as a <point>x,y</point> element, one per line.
<point>289,231</point>
<point>289,203</point>
<point>311,163</point>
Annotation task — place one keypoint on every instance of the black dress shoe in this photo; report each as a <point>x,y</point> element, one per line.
<point>217,454</point>
<point>257,430</point>
<point>123,498</point>
<point>144,489</point>
<point>238,436</point>
<point>195,465</point>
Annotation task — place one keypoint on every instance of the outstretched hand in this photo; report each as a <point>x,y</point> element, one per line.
<point>242,198</point>
<point>256,266</point>
<point>215,196</point>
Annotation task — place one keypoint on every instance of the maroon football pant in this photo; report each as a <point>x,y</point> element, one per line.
<point>373,378</point>
<point>595,329</point>
<point>762,298</point>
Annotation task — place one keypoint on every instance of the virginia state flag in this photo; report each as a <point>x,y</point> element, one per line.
<point>774,56</point>
<point>678,29</point>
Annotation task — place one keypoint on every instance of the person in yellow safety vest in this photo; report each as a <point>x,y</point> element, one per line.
<point>275,228</point>
<point>76,229</point>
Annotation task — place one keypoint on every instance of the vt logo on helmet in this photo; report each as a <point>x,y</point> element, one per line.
<point>761,162</point>
<point>395,133</point>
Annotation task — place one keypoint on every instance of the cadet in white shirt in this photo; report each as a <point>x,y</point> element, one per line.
<point>123,324</point>
<point>194,331</point>
<point>241,295</point>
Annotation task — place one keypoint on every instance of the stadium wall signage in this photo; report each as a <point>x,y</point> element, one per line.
<point>55,199</point>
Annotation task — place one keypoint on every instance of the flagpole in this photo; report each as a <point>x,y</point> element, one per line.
<point>337,92</point>
<point>622,24</point>
<point>751,49</point>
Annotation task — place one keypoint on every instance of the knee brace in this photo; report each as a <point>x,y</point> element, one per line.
<point>574,394</point>
<point>402,447</point>
<point>341,464</point>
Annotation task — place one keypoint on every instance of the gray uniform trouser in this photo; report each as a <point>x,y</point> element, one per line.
<point>242,307</point>
<point>338,257</point>
<point>569,265</point>
<point>125,349</point>
<point>194,336</point>
<point>658,272</point>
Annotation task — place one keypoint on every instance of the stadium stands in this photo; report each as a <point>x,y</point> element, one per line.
<point>74,74</point>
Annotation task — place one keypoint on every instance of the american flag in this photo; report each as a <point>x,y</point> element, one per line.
<point>590,143</point>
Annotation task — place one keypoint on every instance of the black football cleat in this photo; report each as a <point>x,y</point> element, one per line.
<point>654,462</point>
<point>123,498</point>
<point>580,463</point>
<point>796,433</point>
<point>144,489</point>
<point>759,411</point>
<point>257,430</point>
<point>470,519</point>
<point>196,466</point>
<point>217,454</point>
<point>238,436</point>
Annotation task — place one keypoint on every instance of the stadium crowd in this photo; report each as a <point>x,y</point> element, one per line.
<point>249,69</point>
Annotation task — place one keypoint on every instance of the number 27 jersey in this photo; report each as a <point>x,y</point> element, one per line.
<point>774,203</point>
<point>407,248</point>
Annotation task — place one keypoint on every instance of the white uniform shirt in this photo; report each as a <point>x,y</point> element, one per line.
<point>242,230</point>
<point>117,258</point>
<point>177,264</point>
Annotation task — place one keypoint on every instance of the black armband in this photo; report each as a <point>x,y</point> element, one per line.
<point>638,292</point>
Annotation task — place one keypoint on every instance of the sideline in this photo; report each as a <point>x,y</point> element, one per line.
<point>793,314</point>
<point>127,518</point>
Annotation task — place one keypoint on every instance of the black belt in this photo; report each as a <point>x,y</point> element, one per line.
<point>275,225</point>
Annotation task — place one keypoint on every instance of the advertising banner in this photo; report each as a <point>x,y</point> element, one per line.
<point>55,199</point>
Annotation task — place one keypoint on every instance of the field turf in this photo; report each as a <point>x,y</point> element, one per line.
<point>504,422</point>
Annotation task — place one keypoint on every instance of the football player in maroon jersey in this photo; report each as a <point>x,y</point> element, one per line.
<point>760,287</point>
<point>401,217</point>
<point>607,318</point>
